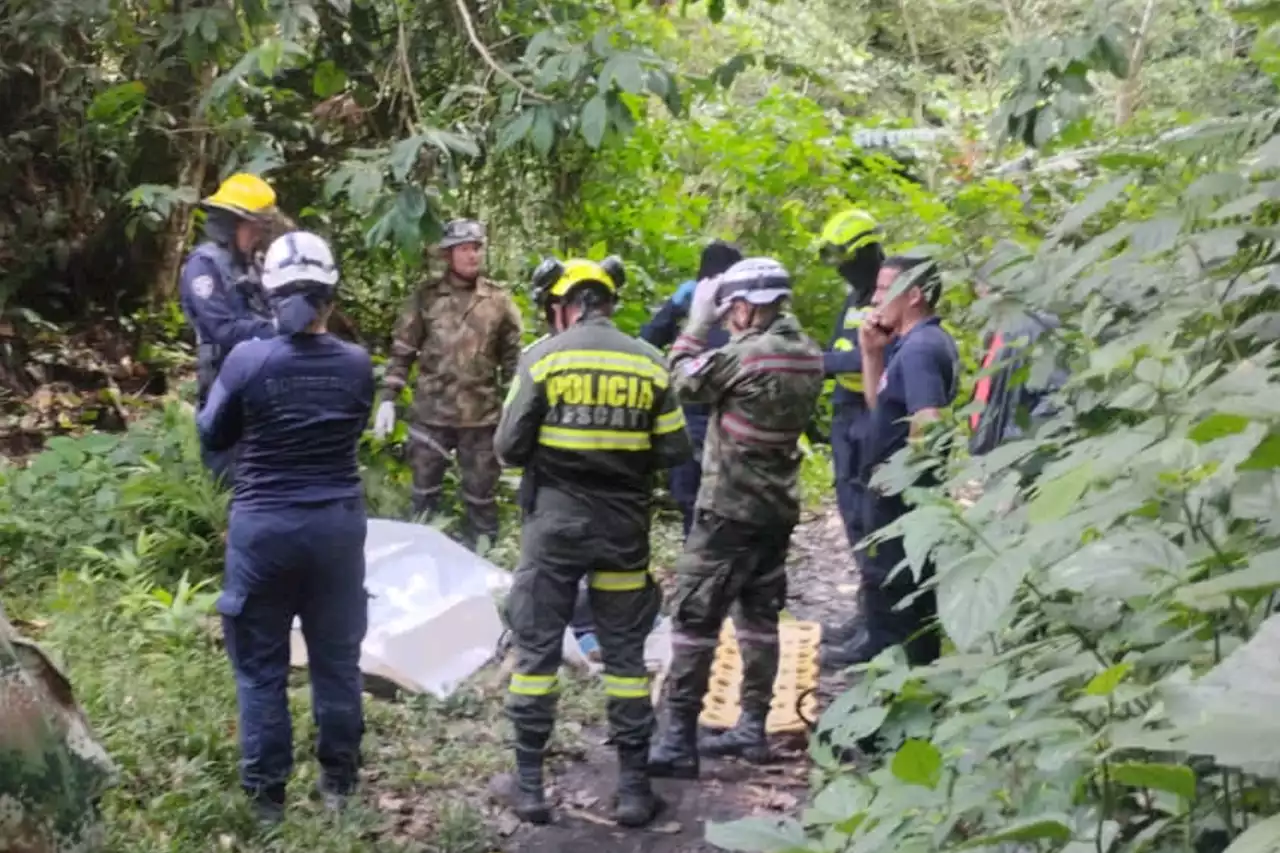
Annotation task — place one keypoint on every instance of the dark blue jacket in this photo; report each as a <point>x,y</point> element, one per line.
<point>295,407</point>
<point>661,331</point>
<point>842,361</point>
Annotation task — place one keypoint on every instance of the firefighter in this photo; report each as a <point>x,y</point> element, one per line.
<point>850,242</point>
<point>463,330</point>
<point>296,404</point>
<point>220,288</point>
<point>591,419</point>
<point>762,386</point>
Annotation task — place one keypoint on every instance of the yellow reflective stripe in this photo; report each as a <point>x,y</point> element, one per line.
<point>534,685</point>
<point>625,687</point>
<point>615,362</point>
<point>565,438</point>
<point>619,581</point>
<point>669,422</point>
<point>852,381</point>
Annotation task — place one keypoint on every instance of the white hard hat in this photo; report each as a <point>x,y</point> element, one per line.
<point>760,281</point>
<point>298,258</point>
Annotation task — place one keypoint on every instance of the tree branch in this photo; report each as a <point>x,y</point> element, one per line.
<point>1128,94</point>
<point>487,56</point>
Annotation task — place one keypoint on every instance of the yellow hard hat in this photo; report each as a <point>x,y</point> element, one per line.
<point>244,195</point>
<point>553,279</point>
<point>846,233</point>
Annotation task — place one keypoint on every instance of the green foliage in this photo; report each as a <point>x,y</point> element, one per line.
<point>1112,607</point>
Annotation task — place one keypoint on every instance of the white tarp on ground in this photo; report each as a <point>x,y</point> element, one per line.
<point>433,619</point>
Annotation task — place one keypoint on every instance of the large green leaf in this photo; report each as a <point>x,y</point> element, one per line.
<point>1174,778</point>
<point>1053,828</point>
<point>918,762</point>
<point>595,117</point>
<point>757,835</point>
<point>1262,837</point>
<point>1057,498</point>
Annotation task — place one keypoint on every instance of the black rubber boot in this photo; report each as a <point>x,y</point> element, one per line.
<point>675,756</point>
<point>531,800</point>
<point>637,805</point>
<point>334,794</point>
<point>268,806</point>
<point>839,633</point>
<point>838,657</point>
<point>745,740</point>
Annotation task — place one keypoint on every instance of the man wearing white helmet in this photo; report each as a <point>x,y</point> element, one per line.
<point>762,386</point>
<point>295,406</point>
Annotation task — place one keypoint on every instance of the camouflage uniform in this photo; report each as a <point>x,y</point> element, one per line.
<point>52,770</point>
<point>762,386</point>
<point>465,338</point>
<point>592,420</point>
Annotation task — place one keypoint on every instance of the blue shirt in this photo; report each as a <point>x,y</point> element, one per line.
<point>296,407</point>
<point>214,301</point>
<point>921,374</point>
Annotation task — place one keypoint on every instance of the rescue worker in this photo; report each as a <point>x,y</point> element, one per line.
<point>53,771</point>
<point>220,288</point>
<point>905,392</point>
<point>850,242</point>
<point>297,405</point>
<point>762,386</point>
<point>661,331</point>
<point>592,419</point>
<point>463,330</point>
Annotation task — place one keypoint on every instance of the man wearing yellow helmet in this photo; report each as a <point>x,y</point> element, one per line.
<point>220,290</point>
<point>851,243</point>
<point>591,419</point>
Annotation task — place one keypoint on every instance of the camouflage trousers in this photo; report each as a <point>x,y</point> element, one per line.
<point>541,604</point>
<point>728,568</point>
<point>430,449</point>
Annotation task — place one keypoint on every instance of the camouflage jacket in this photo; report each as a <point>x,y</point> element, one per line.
<point>466,341</point>
<point>762,387</point>
<point>52,770</point>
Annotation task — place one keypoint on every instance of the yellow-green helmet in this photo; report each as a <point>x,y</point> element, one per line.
<point>846,233</point>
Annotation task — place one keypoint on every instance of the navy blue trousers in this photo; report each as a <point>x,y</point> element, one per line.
<point>306,562</point>
<point>846,461</point>
<point>914,624</point>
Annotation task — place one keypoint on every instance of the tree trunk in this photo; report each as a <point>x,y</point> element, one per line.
<point>1127,97</point>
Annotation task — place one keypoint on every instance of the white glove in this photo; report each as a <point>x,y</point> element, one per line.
<point>704,313</point>
<point>385,420</point>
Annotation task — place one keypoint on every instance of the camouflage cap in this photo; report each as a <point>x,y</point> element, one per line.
<point>460,231</point>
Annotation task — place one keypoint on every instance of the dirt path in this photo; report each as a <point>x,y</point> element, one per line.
<point>822,583</point>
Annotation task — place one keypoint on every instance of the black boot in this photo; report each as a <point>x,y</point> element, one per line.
<point>636,805</point>
<point>838,657</point>
<point>334,794</point>
<point>531,799</point>
<point>268,806</point>
<point>839,633</point>
<point>747,739</point>
<point>675,756</point>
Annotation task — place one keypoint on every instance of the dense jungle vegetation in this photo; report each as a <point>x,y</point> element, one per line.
<point>1114,664</point>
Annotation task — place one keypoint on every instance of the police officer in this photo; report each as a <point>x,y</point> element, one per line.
<point>661,331</point>
<point>906,389</point>
<point>54,770</point>
<point>463,331</point>
<point>220,290</point>
<point>591,419</point>
<point>296,404</point>
<point>762,387</point>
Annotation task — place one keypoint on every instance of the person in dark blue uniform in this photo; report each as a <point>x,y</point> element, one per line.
<point>661,331</point>
<point>295,405</point>
<point>219,290</point>
<point>850,242</point>
<point>906,388</point>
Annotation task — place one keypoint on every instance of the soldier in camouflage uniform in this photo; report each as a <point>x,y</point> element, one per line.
<point>592,420</point>
<point>52,770</point>
<point>762,387</point>
<point>464,333</point>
